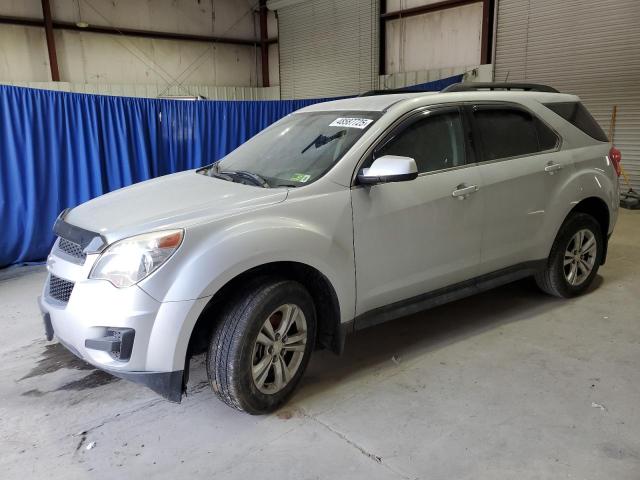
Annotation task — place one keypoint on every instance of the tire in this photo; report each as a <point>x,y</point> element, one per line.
<point>236,349</point>
<point>556,278</point>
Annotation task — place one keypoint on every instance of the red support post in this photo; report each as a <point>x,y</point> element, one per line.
<point>51,43</point>
<point>264,43</point>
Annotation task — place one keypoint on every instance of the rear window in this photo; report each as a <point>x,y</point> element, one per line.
<point>579,116</point>
<point>511,132</point>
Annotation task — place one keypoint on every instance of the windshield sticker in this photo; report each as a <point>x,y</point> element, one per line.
<point>300,177</point>
<point>351,122</point>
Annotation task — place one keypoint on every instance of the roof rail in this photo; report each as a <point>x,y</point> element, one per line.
<point>473,86</point>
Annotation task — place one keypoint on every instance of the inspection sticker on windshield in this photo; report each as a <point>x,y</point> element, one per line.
<point>300,177</point>
<point>351,122</point>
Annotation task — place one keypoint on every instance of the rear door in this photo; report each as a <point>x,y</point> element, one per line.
<point>520,172</point>
<point>416,236</point>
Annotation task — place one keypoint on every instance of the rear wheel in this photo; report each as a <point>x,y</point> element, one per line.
<point>261,346</point>
<point>575,257</point>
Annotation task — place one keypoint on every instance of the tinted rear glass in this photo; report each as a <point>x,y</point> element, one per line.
<point>511,132</point>
<point>579,116</point>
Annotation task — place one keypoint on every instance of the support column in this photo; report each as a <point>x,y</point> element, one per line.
<point>264,43</point>
<point>51,43</point>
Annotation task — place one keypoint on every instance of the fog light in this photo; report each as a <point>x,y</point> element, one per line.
<point>118,342</point>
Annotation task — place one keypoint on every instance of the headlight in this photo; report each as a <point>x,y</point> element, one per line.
<point>128,261</point>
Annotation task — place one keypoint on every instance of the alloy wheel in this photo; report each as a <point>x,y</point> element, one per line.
<point>580,257</point>
<point>279,348</point>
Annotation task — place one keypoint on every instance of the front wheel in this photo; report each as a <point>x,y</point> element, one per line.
<point>575,257</point>
<point>261,346</point>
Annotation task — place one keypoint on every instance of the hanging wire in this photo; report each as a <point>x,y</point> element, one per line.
<point>171,81</point>
<point>199,57</point>
<point>135,51</point>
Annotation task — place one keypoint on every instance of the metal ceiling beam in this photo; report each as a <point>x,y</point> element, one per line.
<point>51,42</point>
<point>58,25</point>
<point>431,7</point>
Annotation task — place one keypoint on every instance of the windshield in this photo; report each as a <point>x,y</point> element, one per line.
<point>294,151</point>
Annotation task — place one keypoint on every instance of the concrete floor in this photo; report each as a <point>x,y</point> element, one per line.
<point>507,384</point>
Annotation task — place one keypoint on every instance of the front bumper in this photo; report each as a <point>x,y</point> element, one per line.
<point>95,308</point>
<point>168,384</point>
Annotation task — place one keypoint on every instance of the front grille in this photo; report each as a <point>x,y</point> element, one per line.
<point>72,249</point>
<point>60,289</point>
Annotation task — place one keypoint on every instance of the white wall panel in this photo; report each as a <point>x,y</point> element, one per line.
<point>590,48</point>
<point>443,38</point>
<point>23,54</point>
<point>198,17</point>
<point>97,58</point>
<point>86,57</point>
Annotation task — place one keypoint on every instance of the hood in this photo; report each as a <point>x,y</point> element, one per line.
<point>176,200</point>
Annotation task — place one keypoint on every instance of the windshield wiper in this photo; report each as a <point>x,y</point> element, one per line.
<point>321,140</point>
<point>221,176</point>
<point>236,175</point>
<point>252,177</point>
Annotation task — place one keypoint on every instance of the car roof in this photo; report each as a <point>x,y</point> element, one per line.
<point>381,103</point>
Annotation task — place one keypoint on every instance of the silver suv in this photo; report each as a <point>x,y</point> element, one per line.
<point>340,216</point>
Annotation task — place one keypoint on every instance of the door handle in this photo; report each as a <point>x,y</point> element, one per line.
<point>462,191</point>
<point>552,167</point>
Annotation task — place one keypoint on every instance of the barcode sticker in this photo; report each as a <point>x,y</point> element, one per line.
<point>351,122</point>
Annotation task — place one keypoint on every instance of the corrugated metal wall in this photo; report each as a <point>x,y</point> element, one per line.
<point>588,47</point>
<point>328,48</point>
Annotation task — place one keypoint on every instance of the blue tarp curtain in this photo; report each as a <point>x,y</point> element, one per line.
<point>60,149</point>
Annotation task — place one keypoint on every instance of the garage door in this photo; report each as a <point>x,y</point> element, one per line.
<point>587,47</point>
<point>328,48</point>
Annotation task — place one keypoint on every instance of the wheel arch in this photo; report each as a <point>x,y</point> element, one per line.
<point>598,209</point>
<point>325,298</point>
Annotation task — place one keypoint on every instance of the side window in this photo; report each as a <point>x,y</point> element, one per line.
<point>435,142</point>
<point>547,138</point>
<point>579,116</point>
<point>510,132</point>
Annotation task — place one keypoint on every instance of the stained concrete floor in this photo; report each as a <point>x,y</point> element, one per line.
<point>507,384</point>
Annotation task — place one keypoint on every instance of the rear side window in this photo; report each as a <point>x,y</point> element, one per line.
<point>511,132</point>
<point>579,116</point>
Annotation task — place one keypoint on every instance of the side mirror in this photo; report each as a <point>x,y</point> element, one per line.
<point>389,168</point>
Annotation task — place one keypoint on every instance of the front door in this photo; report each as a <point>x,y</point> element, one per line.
<point>416,236</point>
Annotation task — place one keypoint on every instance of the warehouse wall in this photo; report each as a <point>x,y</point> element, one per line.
<point>470,73</point>
<point>590,50</point>
<point>94,58</point>
<point>445,38</point>
<point>327,47</point>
